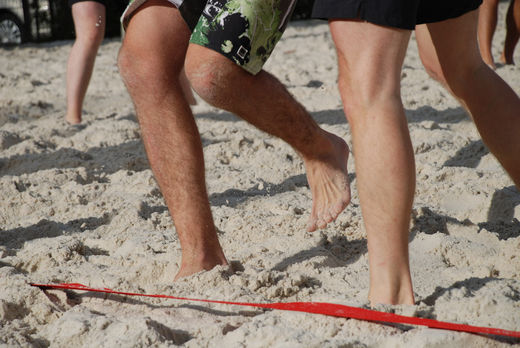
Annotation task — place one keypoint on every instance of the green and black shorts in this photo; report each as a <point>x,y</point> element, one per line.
<point>245,31</point>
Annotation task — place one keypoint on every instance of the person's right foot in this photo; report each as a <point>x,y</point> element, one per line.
<point>328,179</point>
<point>392,293</point>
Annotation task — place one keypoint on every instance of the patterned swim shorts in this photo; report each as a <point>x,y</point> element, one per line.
<point>245,31</point>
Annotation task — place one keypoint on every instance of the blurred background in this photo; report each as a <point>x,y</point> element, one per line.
<point>46,20</point>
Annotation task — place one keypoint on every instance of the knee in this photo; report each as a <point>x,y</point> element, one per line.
<point>434,70</point>
<point>90,39</point>
<point>211,75</point>
<point>134,70</point>
<point>455,74</point>
<point>96,36</point>
<point>140,68</point>
<point>364,96</point>
<point>461,80</point>
<point>436,74</point>
<point>127,67</point>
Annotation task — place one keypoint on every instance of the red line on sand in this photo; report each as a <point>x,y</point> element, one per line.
<point>330,309</point>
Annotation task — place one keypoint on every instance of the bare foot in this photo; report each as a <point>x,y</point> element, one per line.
<point>400,294</point>
<point>489,61</point>
<point>72,119</point>
<point>507,61</point>
<point>191,267</point>
<point>328,180</point>
<point>390,279</point>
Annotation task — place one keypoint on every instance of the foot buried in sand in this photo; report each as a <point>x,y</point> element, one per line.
<point>329,183</point>
<point>73,120</point>
<point>189,268</point>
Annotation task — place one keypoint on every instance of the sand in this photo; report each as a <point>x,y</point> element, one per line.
<point>80,204</point>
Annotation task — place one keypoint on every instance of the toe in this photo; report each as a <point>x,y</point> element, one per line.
<point>311,225</point>
<point>321,223</point>
<point>327,216</point>
<point>338,208</point>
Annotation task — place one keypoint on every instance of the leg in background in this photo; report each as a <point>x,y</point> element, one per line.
<point>487,23</point>
<point>512,32</point>
<point>89,25</point>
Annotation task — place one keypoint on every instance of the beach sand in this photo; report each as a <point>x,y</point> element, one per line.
<point>80,204</point>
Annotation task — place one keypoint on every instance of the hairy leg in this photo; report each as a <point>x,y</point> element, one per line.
<point>512,32</point>
<point>487,23</point>
<point>264,102</point>
<point>385,166</point>
<point>449,52</point>
<point>151,60</point>
<point>89,24</point>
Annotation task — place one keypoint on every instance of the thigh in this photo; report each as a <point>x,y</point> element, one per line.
<point>89,17</point>
<point>245,31</point>
<point>449,48</point>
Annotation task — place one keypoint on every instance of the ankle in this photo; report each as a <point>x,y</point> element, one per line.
<point>391,288</point>
<point>507,59</point>
<point>396,297</point>
<point>325,146</point>
<point>204,258</point>
<point>72,118</point>
<point>192,264</point>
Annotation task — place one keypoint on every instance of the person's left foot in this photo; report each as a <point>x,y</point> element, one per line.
<point>489,61</point>
<point>191,267</point>
<point>73,119</point>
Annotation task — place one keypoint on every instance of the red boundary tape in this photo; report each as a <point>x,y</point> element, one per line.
<point>330,309</point>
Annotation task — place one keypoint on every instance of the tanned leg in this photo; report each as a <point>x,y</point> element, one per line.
<point>151,60</point>
<point>449,52</point>
<point>487,23</point>
<point>89,24</point>
<point>512,32</point>
<point>385,168</point>
<point>264,102</point>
